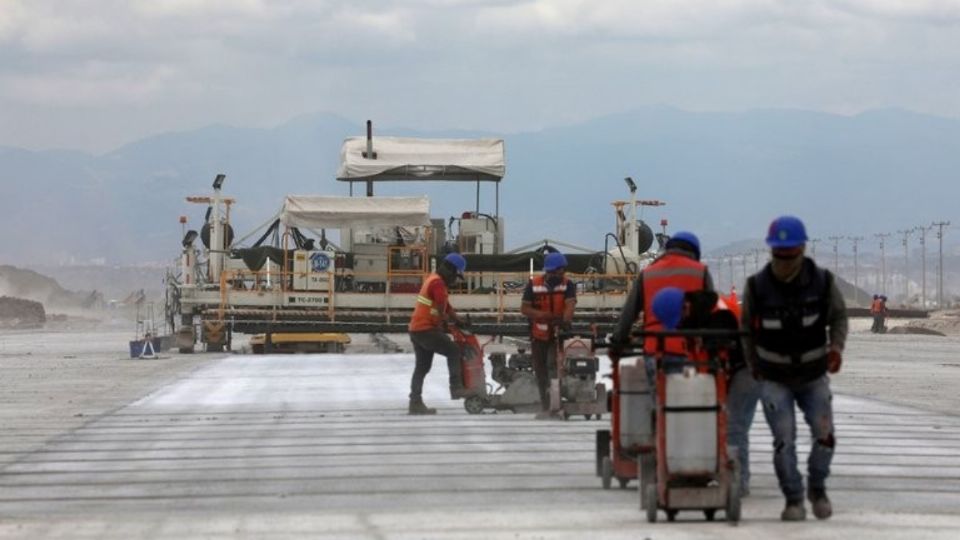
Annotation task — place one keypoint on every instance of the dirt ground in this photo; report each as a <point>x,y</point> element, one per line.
<point>54,381</point>
<point>946,322</point>
<point>916,370</point>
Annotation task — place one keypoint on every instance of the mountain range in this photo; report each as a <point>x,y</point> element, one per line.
<point>722,175</point>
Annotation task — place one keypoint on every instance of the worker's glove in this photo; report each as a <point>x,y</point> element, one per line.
<point>834,360</point>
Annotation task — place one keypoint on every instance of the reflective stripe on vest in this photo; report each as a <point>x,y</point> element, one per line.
<point>670,270</point>
<point>548,299</point>
<point>777,324</point>
<point>429,303</point>
<point>426,316</point>
<point>778,358</point>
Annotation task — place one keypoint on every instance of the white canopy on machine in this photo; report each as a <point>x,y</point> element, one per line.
<point>406,158</point>
<point>327,212</point>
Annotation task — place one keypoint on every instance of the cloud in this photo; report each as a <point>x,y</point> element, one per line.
<point>501,64</point>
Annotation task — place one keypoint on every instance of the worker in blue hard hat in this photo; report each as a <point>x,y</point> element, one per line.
<point>678,266</point>
<point>797,324</point>
<point>427,328</point>
<point>549,300</point>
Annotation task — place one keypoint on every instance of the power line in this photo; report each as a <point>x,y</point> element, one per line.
<point>836,253</point>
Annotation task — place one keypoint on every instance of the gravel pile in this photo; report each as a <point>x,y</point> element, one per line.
<point>20,313</point>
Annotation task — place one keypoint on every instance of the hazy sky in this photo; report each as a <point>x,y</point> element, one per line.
<point>94,74</point>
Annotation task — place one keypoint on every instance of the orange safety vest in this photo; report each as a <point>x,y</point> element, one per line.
<point>427,316</point>
<point>547,299</point>
<point>729,303</point>
<point>876,307</point>
<point>670,270</point>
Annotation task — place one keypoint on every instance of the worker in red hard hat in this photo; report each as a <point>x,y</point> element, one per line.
<point>797,324</point>
<point>427,328</point>
<point>549,300</point>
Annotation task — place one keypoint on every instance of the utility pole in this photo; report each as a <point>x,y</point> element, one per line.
<point>732,279</point>
<point>940,225</point>
<point>836,254</point>
<point>923,266</point>
<point>756,259</point>
<point>883,261</point>
<point>906,264</point>
<point>856,269</point>
<point>813,248</point>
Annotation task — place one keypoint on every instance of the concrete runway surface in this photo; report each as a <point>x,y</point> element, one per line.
<point>320,447</point>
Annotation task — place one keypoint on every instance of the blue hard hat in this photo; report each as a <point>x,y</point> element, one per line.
<point>667,305</point>
<point>786,232</point>
<point>686,237</point>
<point>553,261</point>
<point>457,261</point>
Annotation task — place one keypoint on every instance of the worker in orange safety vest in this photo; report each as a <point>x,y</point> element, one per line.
<point>548,301</point>
<point>679,266</point>
<point>427,328</point>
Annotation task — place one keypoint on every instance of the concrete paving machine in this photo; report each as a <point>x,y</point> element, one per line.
<point>354,264</point>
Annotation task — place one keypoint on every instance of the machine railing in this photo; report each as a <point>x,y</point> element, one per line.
<point>338,293</point>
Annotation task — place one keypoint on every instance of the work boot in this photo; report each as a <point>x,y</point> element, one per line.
<point>794,511</point>
<point>820,503</point>
<point>458,392</point>
<point>418,407</point>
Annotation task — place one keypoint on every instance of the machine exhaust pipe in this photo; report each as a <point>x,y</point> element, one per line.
<point>369,138</point>
<point>370,154</point>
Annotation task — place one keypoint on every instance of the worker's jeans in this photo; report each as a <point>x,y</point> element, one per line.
<point>543,355</point>
<point>425,344</point>
<point>742,398</point>
<point>815,400</point>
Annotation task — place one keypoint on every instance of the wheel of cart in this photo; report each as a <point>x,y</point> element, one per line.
<point>475,404</point>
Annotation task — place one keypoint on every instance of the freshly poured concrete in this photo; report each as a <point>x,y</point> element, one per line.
<point>321,447</point>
